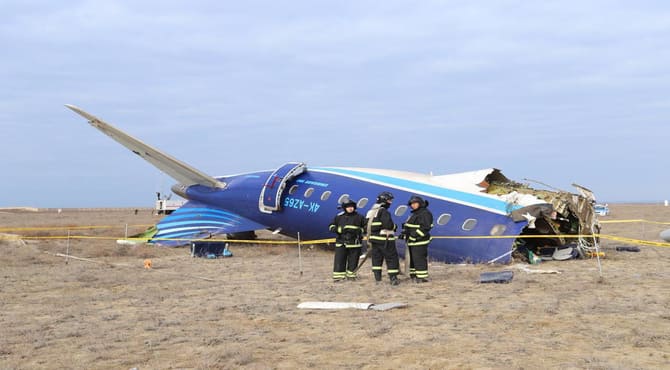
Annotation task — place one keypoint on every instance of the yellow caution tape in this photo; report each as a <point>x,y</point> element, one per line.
<point>86,227</point>
<point>325,241</point>
<point>635,241</point>
<point>332,240</point>
<point>262,241</point>
<point>632,221</point>
<point>46,228</point>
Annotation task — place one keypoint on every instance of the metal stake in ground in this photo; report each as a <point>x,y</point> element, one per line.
<point>67,248</point>
<point>596,243</point>
<point>299,255</point>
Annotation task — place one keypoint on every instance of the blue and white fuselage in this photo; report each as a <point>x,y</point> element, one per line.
<point>311,199</point>
<point>296,199</point>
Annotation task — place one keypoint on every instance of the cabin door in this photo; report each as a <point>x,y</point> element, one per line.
<point>270,198</point>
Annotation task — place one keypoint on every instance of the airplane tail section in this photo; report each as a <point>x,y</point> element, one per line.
<point>195,220</point>
<point>180,171</point>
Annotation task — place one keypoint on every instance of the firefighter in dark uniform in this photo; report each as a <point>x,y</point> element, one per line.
<point>416,232</point>
<point>382,239</point>
<point>348,226</point>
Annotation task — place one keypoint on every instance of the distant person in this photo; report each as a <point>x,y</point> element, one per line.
<point>416,232</point>
<point>382,239</point>
<point>349,226</point>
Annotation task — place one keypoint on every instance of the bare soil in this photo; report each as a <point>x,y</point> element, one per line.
<point>116,314</point>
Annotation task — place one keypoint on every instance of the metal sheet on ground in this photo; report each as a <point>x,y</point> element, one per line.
<point>496,277</point>
<point>346,305</point>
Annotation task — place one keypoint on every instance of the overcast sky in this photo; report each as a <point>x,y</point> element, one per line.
<point>558,91</point>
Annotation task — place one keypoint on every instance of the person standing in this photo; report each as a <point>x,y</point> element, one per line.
<point>349,226</point>
<point>416,232</point>
<point>382,239</point>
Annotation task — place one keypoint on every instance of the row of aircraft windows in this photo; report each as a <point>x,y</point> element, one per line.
<point>442,220</point>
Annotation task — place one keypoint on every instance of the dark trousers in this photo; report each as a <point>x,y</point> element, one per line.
<point>418,264</point>
<point>346,261</point>
<point>381,251</point>
<point>353,257</point>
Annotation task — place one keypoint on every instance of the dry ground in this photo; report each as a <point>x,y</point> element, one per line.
<point>119,315</point>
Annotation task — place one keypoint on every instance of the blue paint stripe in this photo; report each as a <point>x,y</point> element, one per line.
<point>187,230</point>
<point>200,213</point>
<point>184,235</point>
<point>460,196</point>
<point>189,210</point>
<point>182,218</point>
<point>171,225</point>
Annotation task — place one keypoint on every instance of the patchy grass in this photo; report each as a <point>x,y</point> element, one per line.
<point>119,315</point>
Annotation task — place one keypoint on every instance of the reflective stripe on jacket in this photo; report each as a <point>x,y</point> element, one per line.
<point>382,221</point>
<point>349,228</point>
<point>417,228</point>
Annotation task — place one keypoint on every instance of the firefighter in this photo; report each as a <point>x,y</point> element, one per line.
<point>349,226</point>
<point>382,239</point>
<point>416,232</point>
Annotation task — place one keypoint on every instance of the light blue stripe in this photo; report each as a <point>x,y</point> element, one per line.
<point>204,217</point>
<point>182,235</point>
<point>460,196</point>
<point>170,225</point>
<point>187,210</point>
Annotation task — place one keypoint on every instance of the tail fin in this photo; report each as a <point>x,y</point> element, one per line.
<point>180,171</point>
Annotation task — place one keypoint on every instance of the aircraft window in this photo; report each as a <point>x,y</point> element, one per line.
<point>469,224</point>
<point>498,229</point>
<point>343,198</point>
<point>443,219</point>
<point>362,202</point>
<point>309,192</point>
<point>400,210</point>
<point>325,195</point>
<point>293,189</point>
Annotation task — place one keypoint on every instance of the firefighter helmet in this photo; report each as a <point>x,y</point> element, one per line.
<point>416,199</point>
<point>348,203</point>
<point>384,197</point>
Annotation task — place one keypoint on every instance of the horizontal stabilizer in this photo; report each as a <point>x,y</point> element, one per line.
<point>178,170</point>
<point>195,220</point>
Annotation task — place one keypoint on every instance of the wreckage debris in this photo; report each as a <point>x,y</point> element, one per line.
<point>627,249</point>
<point>564,227</point>
<point>499,277</point>
<point>345,305</point>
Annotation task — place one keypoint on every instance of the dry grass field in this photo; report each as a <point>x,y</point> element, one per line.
<point>116,314</point>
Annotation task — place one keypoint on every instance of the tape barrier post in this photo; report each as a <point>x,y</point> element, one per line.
<point>300,254</point>
<point>596,242</point>
<point>67,248</point>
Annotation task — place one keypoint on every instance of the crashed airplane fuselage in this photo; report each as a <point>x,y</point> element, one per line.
<point>479,216</point>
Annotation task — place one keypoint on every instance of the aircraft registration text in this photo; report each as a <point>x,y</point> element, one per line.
<point>312,207</point>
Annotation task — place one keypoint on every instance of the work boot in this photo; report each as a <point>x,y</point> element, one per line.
<point>394,280</point>
<point>421,280</point>
<point>378,275</point>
